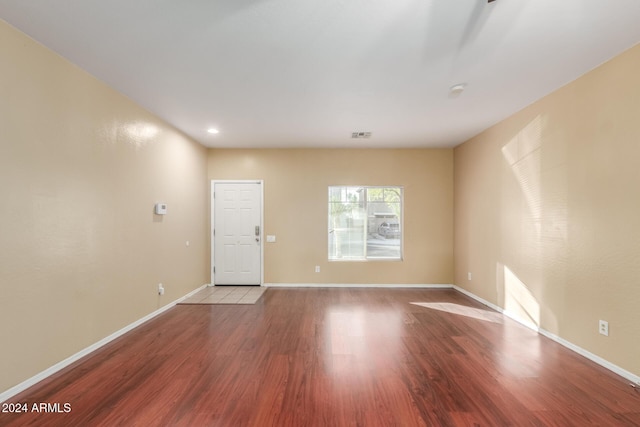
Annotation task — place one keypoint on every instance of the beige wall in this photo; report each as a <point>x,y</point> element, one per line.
<point>295,193</point>
<point>547,212</point>
<point>81,168</point>
<point>547,217</point>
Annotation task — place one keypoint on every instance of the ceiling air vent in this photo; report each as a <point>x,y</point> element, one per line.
<point>361,135</point>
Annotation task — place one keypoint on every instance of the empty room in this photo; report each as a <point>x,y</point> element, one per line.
<point>296,213</point>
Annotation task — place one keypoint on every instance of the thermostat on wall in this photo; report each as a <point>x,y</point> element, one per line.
<point>161,208</point>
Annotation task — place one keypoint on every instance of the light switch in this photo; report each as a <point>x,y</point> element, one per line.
<point>271,238</point>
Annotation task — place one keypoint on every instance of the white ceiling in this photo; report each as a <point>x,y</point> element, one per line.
<point>308,73</point>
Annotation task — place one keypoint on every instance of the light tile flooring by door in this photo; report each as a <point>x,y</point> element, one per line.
<point>226,295</point>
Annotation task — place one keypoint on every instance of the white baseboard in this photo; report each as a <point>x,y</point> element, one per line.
<point>7,394</point>
<point>581,351</point>
<point>480,300</point>
<point>358,285</point>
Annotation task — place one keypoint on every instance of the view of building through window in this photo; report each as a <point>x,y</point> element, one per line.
<point>365,223</point>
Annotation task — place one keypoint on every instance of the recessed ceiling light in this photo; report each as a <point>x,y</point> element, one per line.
<point>213,130</point>
<point>456,90</point>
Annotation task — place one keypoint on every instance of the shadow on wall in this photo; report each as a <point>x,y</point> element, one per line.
<point>533,227</point>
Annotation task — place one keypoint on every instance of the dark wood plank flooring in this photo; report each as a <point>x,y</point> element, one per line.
<point>334,357</point>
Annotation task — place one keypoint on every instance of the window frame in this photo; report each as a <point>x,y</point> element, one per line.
<point>366,257</point>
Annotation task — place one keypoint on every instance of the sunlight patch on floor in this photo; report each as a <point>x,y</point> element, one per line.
<point>463,310</point>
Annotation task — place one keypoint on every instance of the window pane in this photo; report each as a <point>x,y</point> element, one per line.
<point>347,220</point>
<point>364,223</point>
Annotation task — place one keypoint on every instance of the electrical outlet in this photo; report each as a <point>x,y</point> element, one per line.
<point>317,269</point>
<point>160,289</point>
<point>603,327</point>
<point>469,276</point>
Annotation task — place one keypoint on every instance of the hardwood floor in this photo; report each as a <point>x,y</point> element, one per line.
<point>333,357</point>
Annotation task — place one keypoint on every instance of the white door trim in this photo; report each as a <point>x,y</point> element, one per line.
<point>212,225</point>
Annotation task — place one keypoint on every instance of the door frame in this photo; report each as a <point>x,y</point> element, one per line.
<point>212,226</point>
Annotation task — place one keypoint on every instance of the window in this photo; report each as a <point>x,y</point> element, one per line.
<point>365,223</point>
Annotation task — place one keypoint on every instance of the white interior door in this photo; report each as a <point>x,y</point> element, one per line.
<point>237,233</point>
